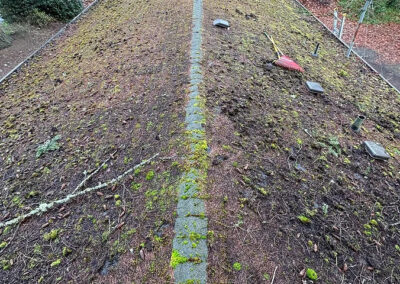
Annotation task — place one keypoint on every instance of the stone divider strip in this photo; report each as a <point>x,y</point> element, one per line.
<point>190,252</point>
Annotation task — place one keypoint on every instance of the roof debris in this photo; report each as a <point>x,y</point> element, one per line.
<point>314,87</point>
<point>376,150</point>
<point>221,23</point>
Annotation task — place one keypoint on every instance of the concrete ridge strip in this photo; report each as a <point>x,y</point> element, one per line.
<point>347,46</point>
<point>190,252</point>
<point>50,40</point>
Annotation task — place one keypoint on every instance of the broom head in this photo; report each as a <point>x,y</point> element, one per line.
<point>286,62</point>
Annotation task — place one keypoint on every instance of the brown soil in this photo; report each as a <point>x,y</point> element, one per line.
<point>279,152</point>
<point>25,41</point>
<point>23,44</point>
<point>113,87</point>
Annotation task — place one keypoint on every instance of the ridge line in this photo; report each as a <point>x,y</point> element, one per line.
<point>190,252</point>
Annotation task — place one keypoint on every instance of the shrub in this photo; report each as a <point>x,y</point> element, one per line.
<point>382,11</point>
<point>39,18</point>
<point>23,10</point>
<point>62,9</point>
<point>5,40</point>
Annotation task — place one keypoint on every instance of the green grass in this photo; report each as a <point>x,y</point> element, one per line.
<point>383,11</point>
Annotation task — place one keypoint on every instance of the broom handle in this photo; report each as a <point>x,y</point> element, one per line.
<point>277,50</point>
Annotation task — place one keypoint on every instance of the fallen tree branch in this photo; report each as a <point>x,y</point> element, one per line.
<point>395,224</point>
<point>273,277</point>
<point>90,176</point>
<point>44,207</point>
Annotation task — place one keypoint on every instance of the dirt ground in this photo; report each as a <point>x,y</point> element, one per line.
<point>23,44</point>
<point>114,88</point>
<point>26,41</point>
<point>292,187</point>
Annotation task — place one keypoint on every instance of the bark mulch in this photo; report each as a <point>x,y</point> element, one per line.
<point>382,38</point>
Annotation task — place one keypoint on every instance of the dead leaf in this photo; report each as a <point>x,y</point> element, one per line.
<point>120,226</point>
<point>345,268</point>
<point>303,272</point>
<point>5,216</point>
<point>239,171</point>
<point>45,225</point>
<point>141,253</point>
<point>377,243</point>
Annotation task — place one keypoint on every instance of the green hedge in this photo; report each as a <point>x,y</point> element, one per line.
<point>381,11</point>
<point>5,40</point>
<point>22,10</point>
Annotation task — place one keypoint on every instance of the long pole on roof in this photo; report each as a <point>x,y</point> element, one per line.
<point>335,20</point>
<point>364,11</point>
<point>342,26</point>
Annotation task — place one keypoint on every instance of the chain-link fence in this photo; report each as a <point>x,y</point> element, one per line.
<point>377,38</point>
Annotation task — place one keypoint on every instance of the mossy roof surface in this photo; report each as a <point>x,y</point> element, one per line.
<point>280,152</point>
<point>113,88</point>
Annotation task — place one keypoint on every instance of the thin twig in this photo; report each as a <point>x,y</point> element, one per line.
<point>168,158</point>
<point>273,277</point>
<point>395,224</point>
<point>222,224</point>
<point>306,131</point>
<point>44,207</point>
<point>90,176</point>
